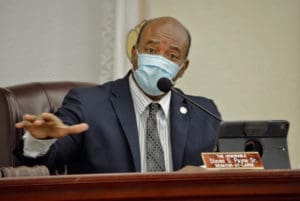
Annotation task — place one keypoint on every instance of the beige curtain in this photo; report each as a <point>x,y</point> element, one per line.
<point>120,16</point>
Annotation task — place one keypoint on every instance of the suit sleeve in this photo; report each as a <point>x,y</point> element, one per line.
<point>64,149</point>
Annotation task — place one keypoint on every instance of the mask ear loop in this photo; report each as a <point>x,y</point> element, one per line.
<point>132,37</point>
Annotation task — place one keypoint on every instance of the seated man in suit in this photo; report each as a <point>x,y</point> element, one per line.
<point>127,125</point>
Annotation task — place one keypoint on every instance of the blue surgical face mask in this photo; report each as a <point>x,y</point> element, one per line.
<point>151,68</point>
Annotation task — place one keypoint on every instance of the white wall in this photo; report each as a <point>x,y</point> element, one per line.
<point>49,40</point>
<point>245,56</point>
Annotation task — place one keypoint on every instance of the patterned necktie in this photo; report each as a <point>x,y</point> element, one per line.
<point>155,153</point>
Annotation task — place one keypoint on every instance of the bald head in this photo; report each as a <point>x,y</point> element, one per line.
<point>164,36</point>
<point>167,27</point>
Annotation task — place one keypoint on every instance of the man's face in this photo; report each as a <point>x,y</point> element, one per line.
<point>165,38</point>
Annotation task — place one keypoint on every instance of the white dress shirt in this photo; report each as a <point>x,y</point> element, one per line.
<point>141,103</point>
<point>34,147</point>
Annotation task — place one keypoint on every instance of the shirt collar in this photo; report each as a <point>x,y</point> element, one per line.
<point>141,101</point>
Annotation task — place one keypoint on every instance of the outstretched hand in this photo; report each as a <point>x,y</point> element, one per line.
<point>48,125</point>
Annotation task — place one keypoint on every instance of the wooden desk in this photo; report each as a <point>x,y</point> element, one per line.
<point>207,185</point>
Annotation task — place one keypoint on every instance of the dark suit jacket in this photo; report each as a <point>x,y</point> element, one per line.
<point>111,143</point>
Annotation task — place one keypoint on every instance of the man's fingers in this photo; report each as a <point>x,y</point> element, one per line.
<point>78,128</point>
<point>39,122</point>
<point>23,124</point>
<point>27,121</point>
<point>49,125</point>
<point>50,117</point>
<point>47,116</point>
<point>29,117</point>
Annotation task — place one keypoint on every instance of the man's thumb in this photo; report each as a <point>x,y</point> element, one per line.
<point>78,128</point>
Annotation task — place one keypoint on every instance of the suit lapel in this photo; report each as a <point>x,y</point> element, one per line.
<point>179,129</point>
<point>122,102</point>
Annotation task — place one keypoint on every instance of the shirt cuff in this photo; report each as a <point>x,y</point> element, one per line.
<point>34,147</point>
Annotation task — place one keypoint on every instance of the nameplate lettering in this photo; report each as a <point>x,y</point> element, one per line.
<point>232,160</point>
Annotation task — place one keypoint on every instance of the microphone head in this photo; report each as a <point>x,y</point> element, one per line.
<point>164,84</point>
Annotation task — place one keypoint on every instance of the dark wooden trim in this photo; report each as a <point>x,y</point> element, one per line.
<point>207,185</point>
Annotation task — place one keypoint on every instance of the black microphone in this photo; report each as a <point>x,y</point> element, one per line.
<point>165,85</point>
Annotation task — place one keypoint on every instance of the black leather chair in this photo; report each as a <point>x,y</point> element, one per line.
<point>32,98</point>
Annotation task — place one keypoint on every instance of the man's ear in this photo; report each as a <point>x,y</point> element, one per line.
<point>182,70</point>
<point>133,58</point>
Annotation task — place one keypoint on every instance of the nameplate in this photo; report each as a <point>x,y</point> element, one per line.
<point>232,160</point>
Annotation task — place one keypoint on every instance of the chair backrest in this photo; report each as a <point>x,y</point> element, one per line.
<point>31,98</point>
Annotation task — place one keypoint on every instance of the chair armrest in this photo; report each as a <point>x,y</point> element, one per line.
<point>23,171</point>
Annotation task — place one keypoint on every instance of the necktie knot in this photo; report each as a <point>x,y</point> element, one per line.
<point>153,108</point>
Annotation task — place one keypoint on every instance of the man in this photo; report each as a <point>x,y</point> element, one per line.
<point>115,128</point>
